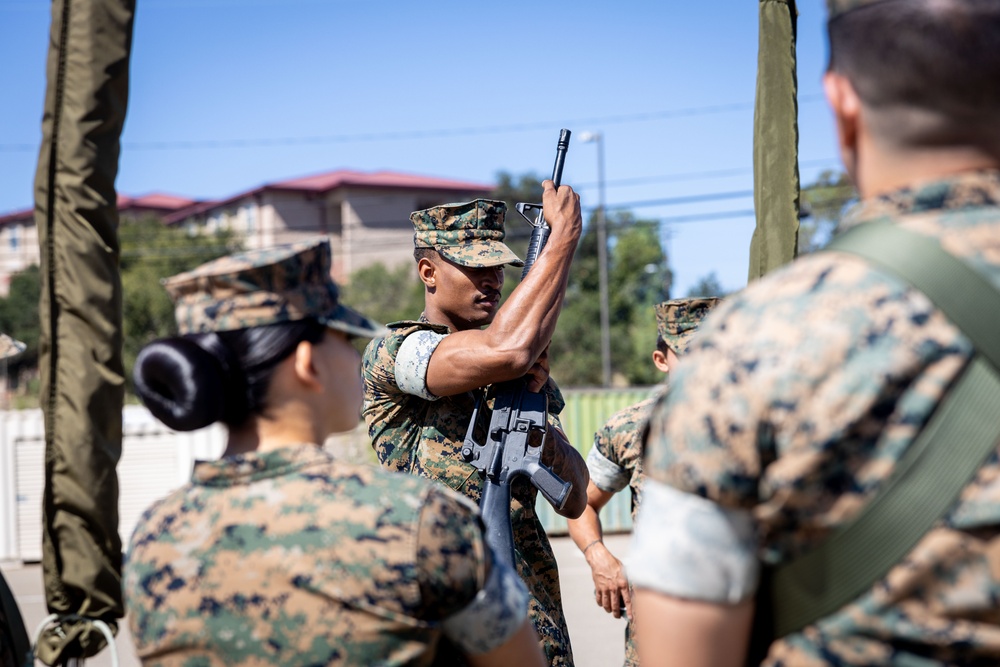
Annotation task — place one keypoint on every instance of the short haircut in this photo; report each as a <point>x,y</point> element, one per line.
<point>661,346</point>
<point>425,253</point>
<point>927,70</point>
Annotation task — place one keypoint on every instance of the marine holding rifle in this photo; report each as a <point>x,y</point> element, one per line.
<point>423,378</point>
<point>277,553</point>
<point>791,420</point>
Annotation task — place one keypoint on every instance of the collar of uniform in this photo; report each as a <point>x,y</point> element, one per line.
<point>973,189</point>
<point>252,466</point>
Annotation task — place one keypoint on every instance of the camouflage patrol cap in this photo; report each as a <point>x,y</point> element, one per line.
<point>285,283</point>
<point>10,347</point>
<point>468,233</point>
<point>677,320</point>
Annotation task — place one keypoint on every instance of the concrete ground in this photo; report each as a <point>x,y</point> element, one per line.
<point>598,638</point>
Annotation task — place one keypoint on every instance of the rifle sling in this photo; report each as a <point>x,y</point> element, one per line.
<point>931,474</point>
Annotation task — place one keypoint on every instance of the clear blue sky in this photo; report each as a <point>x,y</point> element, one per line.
<point>669,84</point>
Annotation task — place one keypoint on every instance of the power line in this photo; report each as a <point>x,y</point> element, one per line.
<point>695,175</point>
<point>214,144</point>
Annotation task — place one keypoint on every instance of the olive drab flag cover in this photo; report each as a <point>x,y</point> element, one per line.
<point>82,383</point>
<point>775,141</point>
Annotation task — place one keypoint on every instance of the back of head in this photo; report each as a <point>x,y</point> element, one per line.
<point>239,317</point>
<point>926,70</point>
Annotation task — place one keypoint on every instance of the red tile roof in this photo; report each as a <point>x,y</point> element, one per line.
<point>155,201</point>
<point>331,180</point>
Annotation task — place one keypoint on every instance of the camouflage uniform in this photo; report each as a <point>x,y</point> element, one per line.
<point>796,403</point>
<point>423,435</point>
<point>337,564</point>
<point>288,557</point>
<point>615,461</point>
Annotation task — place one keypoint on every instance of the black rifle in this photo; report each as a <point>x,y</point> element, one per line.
<point>512,445</point>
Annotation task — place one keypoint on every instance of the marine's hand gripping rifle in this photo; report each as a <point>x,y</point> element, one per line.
<point>512,444</point>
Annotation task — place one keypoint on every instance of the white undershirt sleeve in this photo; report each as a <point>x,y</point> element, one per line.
<point>688,547</point>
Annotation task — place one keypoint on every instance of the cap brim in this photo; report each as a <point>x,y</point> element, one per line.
<point>353,323</point>
<point>481,254</point>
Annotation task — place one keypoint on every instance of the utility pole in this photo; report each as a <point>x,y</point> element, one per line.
<point>602,258</point>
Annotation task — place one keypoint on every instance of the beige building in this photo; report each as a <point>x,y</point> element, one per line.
<point>365,215</point>
<point>19,234</point>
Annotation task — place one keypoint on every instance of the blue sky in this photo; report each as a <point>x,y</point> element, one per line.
<point>451,89</point>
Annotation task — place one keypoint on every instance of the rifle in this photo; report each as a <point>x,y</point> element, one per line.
<point>512,445</point>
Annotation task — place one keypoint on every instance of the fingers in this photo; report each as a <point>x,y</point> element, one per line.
<point>562,206</point>
<point>627,600</point>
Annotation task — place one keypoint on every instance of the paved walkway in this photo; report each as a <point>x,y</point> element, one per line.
<point>597,637</point>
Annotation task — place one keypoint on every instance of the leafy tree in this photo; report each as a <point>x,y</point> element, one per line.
<point>707,286</point>
<point>823,203</point>
<point>150,252</point>
<point>386,295</point>
<point>19,320</point>
<point>638,278</point>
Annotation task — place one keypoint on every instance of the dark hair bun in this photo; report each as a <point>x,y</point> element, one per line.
<point>182,383</point>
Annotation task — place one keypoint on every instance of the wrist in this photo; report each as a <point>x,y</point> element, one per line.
<point>592,548</point>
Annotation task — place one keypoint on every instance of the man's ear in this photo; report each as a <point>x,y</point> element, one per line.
<point>846,107</point>
<point>660,361</point>
<point>427,271</point>
<point>305,369</point>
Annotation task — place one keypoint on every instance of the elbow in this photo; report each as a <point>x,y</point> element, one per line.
<point>575,505</point>
<point>514,362</point>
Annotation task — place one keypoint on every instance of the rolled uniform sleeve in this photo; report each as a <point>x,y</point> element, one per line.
<point>412,360</point>
<point>480,603</point>
<point>688,547</point>
<point>607,474</point>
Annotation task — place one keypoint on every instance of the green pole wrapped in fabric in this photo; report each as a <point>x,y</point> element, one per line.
<point>82,382</point>
<point>775,141</point>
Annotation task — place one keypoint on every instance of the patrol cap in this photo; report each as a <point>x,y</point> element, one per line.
<point>467,233</point>
<point>10,347</point>
<point>285,283</point>
<point>678,319</point>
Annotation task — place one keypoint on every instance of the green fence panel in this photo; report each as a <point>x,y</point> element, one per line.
<point>586,411</point>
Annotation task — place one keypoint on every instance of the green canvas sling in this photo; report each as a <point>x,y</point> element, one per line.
<point>938,464</point>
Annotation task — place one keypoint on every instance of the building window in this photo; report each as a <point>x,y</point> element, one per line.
<point>15,237</point>
<point>250,215</point>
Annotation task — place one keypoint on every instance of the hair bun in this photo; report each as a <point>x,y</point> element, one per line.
<point>181,383</point>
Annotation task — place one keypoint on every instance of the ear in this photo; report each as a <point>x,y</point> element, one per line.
<point>427,271</point>
<point>305,369</point>
<point>660,361</point>
<point>846,106</point>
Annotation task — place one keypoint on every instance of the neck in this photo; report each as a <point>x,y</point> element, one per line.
<point>264,434</point>
<point>435,315</point>
<point>882,171</point>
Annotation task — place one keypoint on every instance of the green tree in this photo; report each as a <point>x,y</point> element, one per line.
<point>150,252</point>
<point>638,278</point>
<point>707,286</point>
<point>19,320</point>
<point>823,203</point>
<point>386,295</point>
